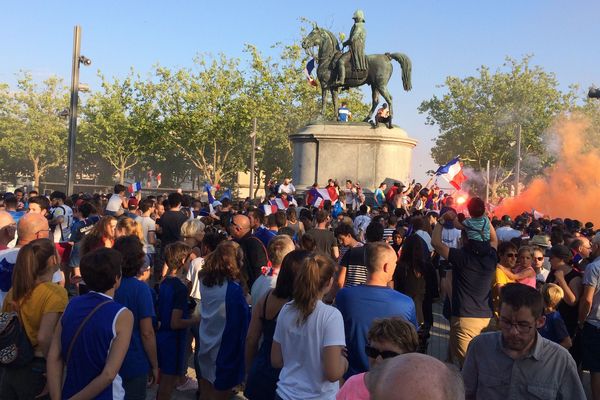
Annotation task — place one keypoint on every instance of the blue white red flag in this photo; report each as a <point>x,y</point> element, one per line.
<point>318,197</point>
<point>452,172</point>
<point>135,187</point>
<point>207,189</point>
<point>270,209</point>
<point>226,195</point>
<point>310,66</point>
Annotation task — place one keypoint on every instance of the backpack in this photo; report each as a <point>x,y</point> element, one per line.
<point>15,348</point>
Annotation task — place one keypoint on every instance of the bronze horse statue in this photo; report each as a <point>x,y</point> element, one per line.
<point>377,75</point>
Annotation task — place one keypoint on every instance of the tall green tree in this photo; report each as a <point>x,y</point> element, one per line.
<point>31,132</point>
<point>119,123</point>
<point>478,117</point>
<point>203,117</point>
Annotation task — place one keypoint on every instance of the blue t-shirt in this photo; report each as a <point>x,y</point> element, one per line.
<point>172,295</point>
<point>136,296</point>
<point>82,226</point>
<point>360,305</point>
<point>343,114</point>
<point>16,215</point>
<point>554,329</point>
<point>265,235</point>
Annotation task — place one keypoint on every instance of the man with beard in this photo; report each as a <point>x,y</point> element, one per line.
<point>517,362</point>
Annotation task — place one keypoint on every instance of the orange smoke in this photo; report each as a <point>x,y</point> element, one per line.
<point>571,187</point>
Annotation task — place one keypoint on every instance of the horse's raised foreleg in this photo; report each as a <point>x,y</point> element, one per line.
<point>374,103</point>
<point>388,98</point>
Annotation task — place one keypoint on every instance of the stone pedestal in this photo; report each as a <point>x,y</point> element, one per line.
<point>352,151</point>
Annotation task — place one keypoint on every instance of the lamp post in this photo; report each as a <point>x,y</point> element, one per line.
<point>76,87</point>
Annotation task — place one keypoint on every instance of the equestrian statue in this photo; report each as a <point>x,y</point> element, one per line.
<point>337,70</point>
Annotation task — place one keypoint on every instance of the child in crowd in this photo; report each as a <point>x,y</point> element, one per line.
<point>174,321</point>
<point>477,225</point>
<point>387,338</point>
<point>554,329</point>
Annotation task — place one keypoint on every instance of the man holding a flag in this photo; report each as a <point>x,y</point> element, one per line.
<point>452,172</point>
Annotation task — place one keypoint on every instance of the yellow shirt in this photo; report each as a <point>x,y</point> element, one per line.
<point>46,298</point>
<point>500,279</point>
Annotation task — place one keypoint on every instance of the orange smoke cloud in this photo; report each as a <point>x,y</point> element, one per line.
<point>571,187</point>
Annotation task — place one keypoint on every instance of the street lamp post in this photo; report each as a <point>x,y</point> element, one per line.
<point>76,87</point>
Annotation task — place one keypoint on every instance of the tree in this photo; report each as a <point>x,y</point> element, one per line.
<point>118,123</point>
<point>479,115</point>
<point>31,131</point>
<point>203,118</point>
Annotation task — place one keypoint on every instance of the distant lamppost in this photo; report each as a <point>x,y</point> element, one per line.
<point>76,87</point>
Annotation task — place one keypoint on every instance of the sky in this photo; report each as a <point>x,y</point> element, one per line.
<point>442,38</point>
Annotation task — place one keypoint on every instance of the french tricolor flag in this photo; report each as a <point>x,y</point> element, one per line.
<point>135,187</point>
<point>270,208</point>
<point>318,196</point>
<point>310,66</point>
<point>452,172</point>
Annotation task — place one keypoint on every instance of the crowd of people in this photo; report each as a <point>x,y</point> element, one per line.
<point>103,296</point>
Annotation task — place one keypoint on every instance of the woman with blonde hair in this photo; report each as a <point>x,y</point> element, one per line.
<point>309,338</point>
<point>224,322</point>
<point>192,233</point>
<point>39,304</point>
<point>128,226</point>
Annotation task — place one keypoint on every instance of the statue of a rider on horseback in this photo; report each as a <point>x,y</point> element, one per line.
<point>356,55</point>
<point>337,70</point>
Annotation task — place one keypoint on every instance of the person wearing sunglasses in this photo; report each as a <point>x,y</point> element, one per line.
<point>387,338</point>
<point>507,254</point>
<point>517,362</point>
<point>539,261</point>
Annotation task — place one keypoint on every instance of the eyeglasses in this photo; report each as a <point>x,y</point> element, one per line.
<point>539,258</point>
<point>37,234</point>
<point>511,255</point>
<point>522,326</point>
<point>372,352</point>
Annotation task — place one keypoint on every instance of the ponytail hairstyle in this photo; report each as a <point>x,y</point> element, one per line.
<point>34,260</point>
<point>315,275</point>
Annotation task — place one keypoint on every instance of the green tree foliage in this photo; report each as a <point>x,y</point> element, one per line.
<point>32,134</point>
<point>478,117</point>
<point>118,123</point>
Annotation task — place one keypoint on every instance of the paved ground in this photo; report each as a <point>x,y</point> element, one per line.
<point>438,348</point>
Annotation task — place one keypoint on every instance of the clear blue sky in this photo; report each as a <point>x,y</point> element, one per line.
<point>441,37</point>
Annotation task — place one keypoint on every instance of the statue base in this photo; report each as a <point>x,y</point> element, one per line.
<point>354,151</point>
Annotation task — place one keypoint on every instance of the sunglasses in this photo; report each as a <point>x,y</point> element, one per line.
<point>511,255</point>
<point>372,352</point>
<point>539,258</point>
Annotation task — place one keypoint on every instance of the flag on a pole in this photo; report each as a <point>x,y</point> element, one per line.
<point>207,189</point>
<point>318,196</point>
<point>452,172</point>
<point>310,66</point>
<point>135,187</point>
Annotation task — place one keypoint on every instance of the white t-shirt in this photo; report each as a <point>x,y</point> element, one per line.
<point>261,286</point>
<point>115,204</point>
<point>451,238</point>
<point>148,225</point>
<point>506,233</point>
<point>62,232</point>
<point>302,348</point>
<point>192,275</point>
<point>289,188</point>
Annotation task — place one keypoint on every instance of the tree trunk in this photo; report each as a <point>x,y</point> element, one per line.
<point>122,173</point>
<point>36,174</point>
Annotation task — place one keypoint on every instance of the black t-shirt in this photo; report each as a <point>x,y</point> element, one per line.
<point>324,238</point>
<point>355,262</point>
<point>472,277</point>
<point>170,223</point>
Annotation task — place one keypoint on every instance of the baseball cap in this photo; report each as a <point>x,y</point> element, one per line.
<point>561,251</point>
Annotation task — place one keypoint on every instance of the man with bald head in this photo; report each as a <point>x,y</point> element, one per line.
<point>361,305</point>
<point>415,376</point>
<point>8,227</point>
<point>29,228</point>
<point>255,254</point>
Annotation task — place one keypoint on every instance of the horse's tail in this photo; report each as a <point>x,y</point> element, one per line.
<point>406,65</point>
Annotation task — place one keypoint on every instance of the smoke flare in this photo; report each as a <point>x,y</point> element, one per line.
<point>571,187</point>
